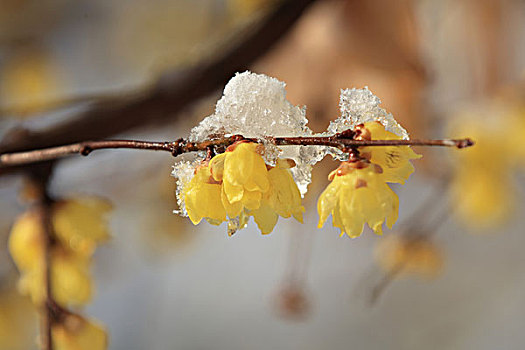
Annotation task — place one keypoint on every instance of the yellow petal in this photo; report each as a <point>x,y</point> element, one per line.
<point>232,209</point>
<point>265,218</point>
<point>251,200</point>
<point>328,200</point>
<point>394,160</point>
<point>70,278</point>
<point>26,243</point>
<point>217,166</point>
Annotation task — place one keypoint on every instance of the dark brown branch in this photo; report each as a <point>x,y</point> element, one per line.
<point>182,146</point>
<point>170,95</point>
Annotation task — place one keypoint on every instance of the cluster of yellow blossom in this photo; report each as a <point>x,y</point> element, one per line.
<point>78,226</point>
<point>238,184</point>
<point>359,193</point>
<point>483,191</point>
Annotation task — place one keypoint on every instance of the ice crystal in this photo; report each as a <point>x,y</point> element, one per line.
<point>255,105</point>
<point>359,106</point>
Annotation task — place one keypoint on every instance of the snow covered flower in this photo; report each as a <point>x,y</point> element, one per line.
<point>393,160</point>
<point>238,184</point>
<point>357,195</point>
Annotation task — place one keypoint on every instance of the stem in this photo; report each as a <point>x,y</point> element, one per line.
<point>182,146</point>
<point>40,176</point>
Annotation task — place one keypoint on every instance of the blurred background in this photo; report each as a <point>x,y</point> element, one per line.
<point>450,275</point>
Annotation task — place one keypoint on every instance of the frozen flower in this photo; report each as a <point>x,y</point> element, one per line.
<point>238,184</point>
<point>393,160</point>
<point>357,195</point>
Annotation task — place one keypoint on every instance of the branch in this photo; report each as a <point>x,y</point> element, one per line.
<point>40,177</point>
<point>182,146</point>
<point>172,93</point>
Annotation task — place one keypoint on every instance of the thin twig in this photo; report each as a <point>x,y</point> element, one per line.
<point>385,281</point>
<point>182,146</point>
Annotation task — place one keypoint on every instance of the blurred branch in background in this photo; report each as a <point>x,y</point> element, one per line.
<point>173,92</point>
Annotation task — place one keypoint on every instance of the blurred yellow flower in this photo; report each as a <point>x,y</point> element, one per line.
<point>78,226</point>
<point>481,188</point>
<point>70,280</point>
<point>357,195</point>
<point>17,321</point>
<point>26,242</point>
<point>29,79</point>
<point>81,223</point>
<point>394,160</point>
<point>409,255</point>
<point>78,333</point>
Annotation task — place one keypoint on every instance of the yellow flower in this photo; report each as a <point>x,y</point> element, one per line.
<point>357,195</point>
<point>202,198</point>
<point>70,280</point>
<point>394,160</point>
<point>26,243</point>
<point>80,224</point>
<point>283,198</point>
<point>77,333</point>
<point>409,255</point>
<point>244,177</point>
<point>17,320</point>
<point>481,188</point>
<point>239,184</point>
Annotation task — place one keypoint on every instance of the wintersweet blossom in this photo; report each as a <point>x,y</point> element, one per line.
<point>394,160</point>
<point>202,196</point>
<point>358,195</point>
<point>482,185</point>
<point>282,199</point>
<point>238,184</point>
<point>78,226</point>
<point>244,177</point>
